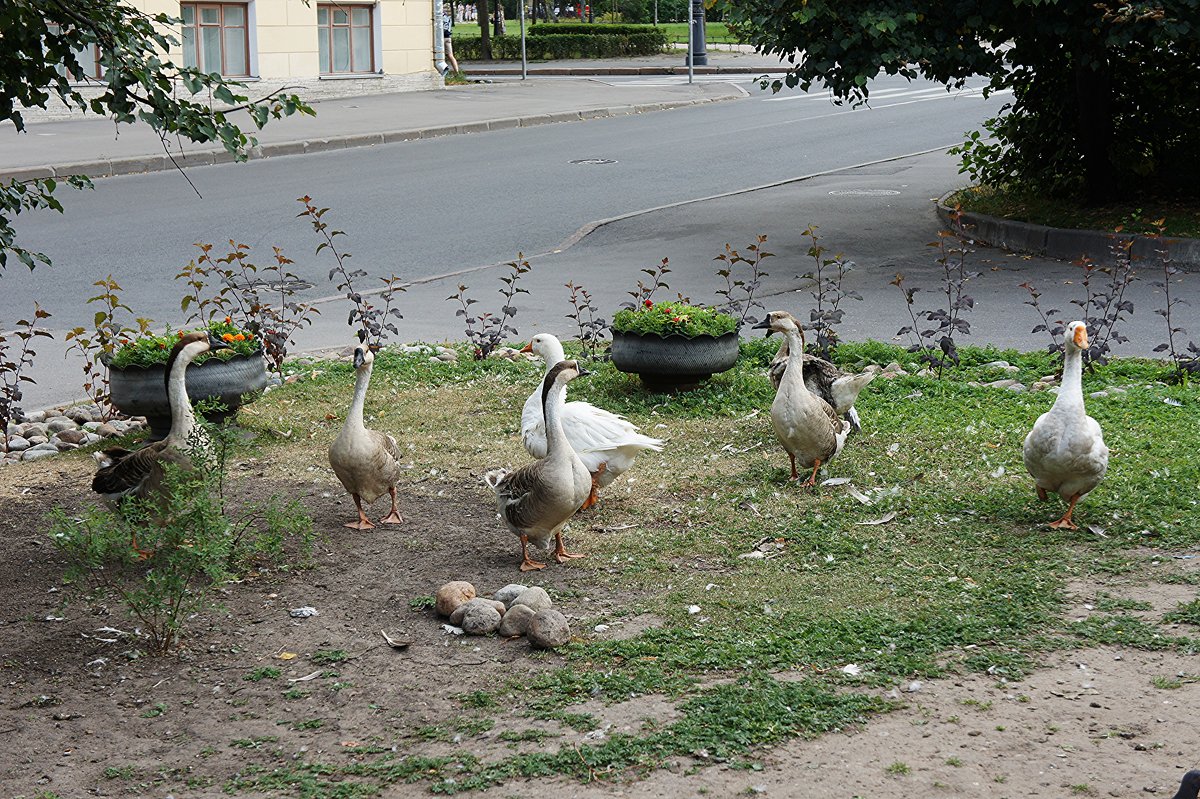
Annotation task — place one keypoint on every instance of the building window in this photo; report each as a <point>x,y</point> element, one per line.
<point>88,58</point>
<point>216,38</point>
<point>345,38</point>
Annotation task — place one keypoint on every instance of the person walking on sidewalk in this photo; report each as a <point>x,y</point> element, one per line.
<point>447,31</point>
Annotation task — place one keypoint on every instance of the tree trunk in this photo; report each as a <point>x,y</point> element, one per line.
<point>485,33</point>
<point>1093,94</point>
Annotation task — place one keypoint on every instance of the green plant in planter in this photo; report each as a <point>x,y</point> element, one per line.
<point>153,350</point>
<point>673,318</point>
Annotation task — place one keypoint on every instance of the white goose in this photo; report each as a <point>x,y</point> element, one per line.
<point>537,500</point>
<point>605,442</point>
<point>1065,451</point>
<point>367,462</point>
<point>840,389</point>
<point>806,425</point>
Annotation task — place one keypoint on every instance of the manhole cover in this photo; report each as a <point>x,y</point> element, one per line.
<point>864,192</point>
<point>592,161</point>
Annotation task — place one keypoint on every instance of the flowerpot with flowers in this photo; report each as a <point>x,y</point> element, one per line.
<point>673,346</point>
<point>137,375</point>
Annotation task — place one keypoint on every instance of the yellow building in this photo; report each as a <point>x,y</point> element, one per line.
<point>319,49</point>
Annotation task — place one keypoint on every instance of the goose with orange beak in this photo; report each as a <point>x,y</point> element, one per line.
<point>1065,451</point>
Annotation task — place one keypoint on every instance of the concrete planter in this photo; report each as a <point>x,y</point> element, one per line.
<point>142,391</point>
<point>673,363</point>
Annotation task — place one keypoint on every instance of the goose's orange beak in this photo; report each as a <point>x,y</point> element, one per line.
<point>528,347</point>
<point>1081,338</point>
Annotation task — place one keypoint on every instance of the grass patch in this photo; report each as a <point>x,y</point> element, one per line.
<point>328,657</point>
<point>1186,613</point>
<point>262,673</point>
<point>1181,219</point>
<point>967,577</point>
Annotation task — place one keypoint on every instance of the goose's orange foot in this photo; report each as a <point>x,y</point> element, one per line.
<point>1065,522</point>
<point>361,524</point>
<point>394,516</point>
<point>560,551</point>
<point>528,565</point>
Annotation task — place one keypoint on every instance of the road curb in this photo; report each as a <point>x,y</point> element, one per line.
<point>477,72</point>
<point>1063,243</point>
<point>142,164</point>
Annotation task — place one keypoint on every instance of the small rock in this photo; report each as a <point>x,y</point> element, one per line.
<point>1098,394</point>
<point>447,355</point>
<point>64,446</point>
<point>35,416</point>
<point>1040,385</point>
<point>90,438</point>
<point>481,618</point>
<point>873,368</point>
<point>1008,383</point>
<point>926,372</point>
<point>37,455</point>
<point>303,613</point>
<point>91,426</point>
<point>548,629</point>
<point>35,429</point>
<point>456,617</point>
<point>1049,379</point>
<point>516,621</point>
<point>42,446</point>
<point>534,597</point>
<point>37,440</point>
<point>72,436</point>
<point>57,424</point>
<point>893,367</point>
<point>80,414</point>
<point>17,444</point>
<point>914,686</point>
<point>453,594</point>
<point>107,430</point>
<point>508,593</point>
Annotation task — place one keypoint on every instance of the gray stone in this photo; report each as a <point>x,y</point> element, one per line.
<point>481,618</point>
<point>59,423</point>
<point>1008,383</point>
<point>91,427</point>
<point>456,617</point>
<point>72,436</point>
<point>37,439</point>
<point>91,438</point>
<point>453,594</point>
<point>1001,365</point>
<point>81,413</point>
<point>17,444</point>
<point>13,429</point>
<point>35,429</point>
<point>892,367</point>
<point>64,446</point>
<point>516,621</point>
<point>42,446</point>
<point>107,430</point>
<point>35,416</point>
<point>508,593</point>
<point>39,454</point>
<point>548,629</point>
<point>534,597</point>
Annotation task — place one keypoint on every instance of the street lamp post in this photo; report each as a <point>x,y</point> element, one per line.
<point>697,54</point>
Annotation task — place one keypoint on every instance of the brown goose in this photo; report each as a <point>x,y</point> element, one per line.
<point>840,389</point>
<point>1065,451</point>
<point>139,473</point>
<point>538,499</point>
<point>806,425</point>
<point>367,462</point>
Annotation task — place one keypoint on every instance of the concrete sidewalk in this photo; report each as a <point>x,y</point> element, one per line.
<point>96,147</point>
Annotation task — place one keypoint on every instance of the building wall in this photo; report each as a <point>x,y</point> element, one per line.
<point>283,43</point>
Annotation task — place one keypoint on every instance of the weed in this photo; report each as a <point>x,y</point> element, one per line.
<point>327,657</point>
<point>827,276</point>
<point>898,768</point>
<point>1166,683</point>
<point>427,602</point>
<point>373,321</point>
<point>473,726</point>
<point>308,724</point>
<point>739,293</point>
<point>13,364</point>
<point>1083,789</point>
<point>1185,361</point>
<point>513,736</point>
<point>1054,329</point>
<point>154,711</point>
<point>645,293</point>
<point>487,331</point>
<point>1104,306</point>
<point>98,345</point>
<point>1107,603</point>
<point>262,673</point>
<point>119,772</point>
<point>1185,613</point>
<point>480,700</point>
<point>583,314</point>
<point>954,761</point>
<point>295,693</point>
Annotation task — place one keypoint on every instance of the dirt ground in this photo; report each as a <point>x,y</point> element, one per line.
<point>80,716</point>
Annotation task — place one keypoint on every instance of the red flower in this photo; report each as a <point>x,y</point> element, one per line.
<point>648,304</point>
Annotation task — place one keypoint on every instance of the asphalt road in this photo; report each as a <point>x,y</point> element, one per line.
<point>431,207</point>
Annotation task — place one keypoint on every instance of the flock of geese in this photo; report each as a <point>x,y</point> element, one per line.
<point>579,448</point>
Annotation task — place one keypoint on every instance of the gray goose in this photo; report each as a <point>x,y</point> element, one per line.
<point>367,462</point>
<point>125,474</point>
<point>806,425</point>
<point>537,500</point>
<point>840,389</point>
<point>1065,451</point>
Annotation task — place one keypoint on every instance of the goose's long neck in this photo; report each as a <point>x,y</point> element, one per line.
<point>552,405</point>
<point>795,357</point>
<point>1070,393</point>
<point>183,419</point>
<point>354,417</point>
<point>553,353</point>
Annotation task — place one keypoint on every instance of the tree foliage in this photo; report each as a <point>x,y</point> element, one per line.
<point>43,41</point>
<point>1102,92</point>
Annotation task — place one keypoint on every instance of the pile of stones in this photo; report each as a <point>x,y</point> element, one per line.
<point>43,434</point>
<point>514,610</point>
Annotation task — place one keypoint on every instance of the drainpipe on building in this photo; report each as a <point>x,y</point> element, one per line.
<point>439,43</point>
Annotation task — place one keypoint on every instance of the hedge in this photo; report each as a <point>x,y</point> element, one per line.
<point>584,29</point>
<point>547,47</point>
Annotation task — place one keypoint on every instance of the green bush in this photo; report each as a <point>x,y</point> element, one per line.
<point>550,46</point>
<point>673,318</point>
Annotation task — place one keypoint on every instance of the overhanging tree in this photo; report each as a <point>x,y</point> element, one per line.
<point>40,46</point>
<point>1105,94</point>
